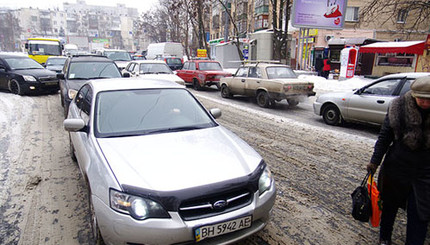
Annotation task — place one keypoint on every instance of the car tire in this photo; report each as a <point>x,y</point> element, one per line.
<point>331,115</point>
<point>96,236</point>
<point>196,85</point>
<point>14,87</point>
<point>225,92</point>
<point>292,102</point>
<point>263,99</point>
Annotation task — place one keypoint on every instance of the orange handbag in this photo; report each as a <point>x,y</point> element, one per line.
<point>375,201</point>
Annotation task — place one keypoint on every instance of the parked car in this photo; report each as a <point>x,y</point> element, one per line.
<point>78,70</point>
<point>22,75</point>
<point>173,62</point>
<point>55,63</point>
<point>161,170</point>
<point>121,57</point>
<point>368,104</point>
<point>268,83</point>
<point>200,73</point>
<point>154,69</point>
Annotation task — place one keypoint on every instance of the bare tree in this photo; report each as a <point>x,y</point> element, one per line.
<point>396,12</point>
<point>281,15</point>
<point>236,30</point>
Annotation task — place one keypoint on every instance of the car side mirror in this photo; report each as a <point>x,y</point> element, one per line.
<point>74,125</point>
<point>126,74</point>
<point>215,112</point>
<point>60,76</point>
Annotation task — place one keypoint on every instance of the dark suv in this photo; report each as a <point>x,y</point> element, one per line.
<point>22,75</point>
<point>79,69</point>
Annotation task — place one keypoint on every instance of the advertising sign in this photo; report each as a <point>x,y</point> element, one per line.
<point>323,14</point>
<point>201,53</point>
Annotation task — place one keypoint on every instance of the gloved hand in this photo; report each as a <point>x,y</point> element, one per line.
<point>371,167</point>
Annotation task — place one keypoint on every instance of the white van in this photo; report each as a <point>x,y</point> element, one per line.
<point>167,49</point>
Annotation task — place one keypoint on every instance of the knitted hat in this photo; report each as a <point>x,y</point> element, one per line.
<point>421,87</point>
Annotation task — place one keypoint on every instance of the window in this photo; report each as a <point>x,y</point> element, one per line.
<point>396,59</point>
<point>192,66</point>
<point>402,15</point>
<point>242,72</point>
<point>254,72</point>
<point>351,14</point>
<point>385,87</point>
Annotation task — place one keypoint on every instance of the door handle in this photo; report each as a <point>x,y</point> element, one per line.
<point>258,81</point>
<point>243,80</point>
<point>380,101</point>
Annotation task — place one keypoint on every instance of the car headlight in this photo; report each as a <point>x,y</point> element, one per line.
<point>265,181</point>
<point>29,78</point>
<point>71,93</point>
<point>137,207</point>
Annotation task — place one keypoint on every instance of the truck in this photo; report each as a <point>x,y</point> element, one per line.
<point>166,49</point>
<point>40,48</point>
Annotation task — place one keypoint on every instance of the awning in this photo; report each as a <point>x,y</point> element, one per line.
<point>409,47</point>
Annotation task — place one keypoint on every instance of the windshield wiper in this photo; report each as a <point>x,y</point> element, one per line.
<point>176,129</point>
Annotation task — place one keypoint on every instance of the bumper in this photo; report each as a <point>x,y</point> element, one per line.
<point>317,108</point>
<point>41,87</point>
<point>119,228</point>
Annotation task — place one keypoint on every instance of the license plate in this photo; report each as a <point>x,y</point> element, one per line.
<point>207,231</point>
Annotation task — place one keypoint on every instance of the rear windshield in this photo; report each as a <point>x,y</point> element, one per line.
<point>210,66</point>
<point>276,72</point>
<point>173,61</point>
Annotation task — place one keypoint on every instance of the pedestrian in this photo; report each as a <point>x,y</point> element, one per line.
<point>404,177</point>
<point>326,67</point>
<point>319,66</point>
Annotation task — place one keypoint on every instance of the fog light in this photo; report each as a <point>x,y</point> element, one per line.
<point>32,87</point>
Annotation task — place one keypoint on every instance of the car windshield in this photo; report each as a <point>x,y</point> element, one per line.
<point>210,66</point>
<point>88,70</point>
<point>275,72</point>
<point>154,68</point>
<point>22,63</point>
<point>173,61</point>
<point>118,55</point>
<point>55,61</point>
<point>147,111</point>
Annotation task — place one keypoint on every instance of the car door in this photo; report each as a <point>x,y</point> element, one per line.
<point>81,140</point>
<point>237,85</point>
<point>182,73</point>
<point>370,104</point>
<point>253,81</point>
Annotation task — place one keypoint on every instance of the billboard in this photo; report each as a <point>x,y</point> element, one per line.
<point>322,14</point>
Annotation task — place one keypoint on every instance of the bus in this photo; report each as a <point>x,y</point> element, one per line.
<point>39,49</point>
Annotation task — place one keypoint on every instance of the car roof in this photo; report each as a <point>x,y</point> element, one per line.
<point>57,57</point>
<point>148,61</point>
<point>407,74</point>
<point>204,61</point>
<point>262,64</point>
<point>92,58</point>
<point>113,84</point>
<point>13,55</point>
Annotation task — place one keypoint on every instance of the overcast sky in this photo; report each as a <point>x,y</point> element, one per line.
<point>141,5</point>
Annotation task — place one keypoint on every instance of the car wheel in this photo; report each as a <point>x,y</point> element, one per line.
<point>95,231</point>
<point>14,87</point>
<point>196,85</point>
<point>263,99</point>
<point>331,115</point>
<point>225,92</point>
<point>292,102</point>
<point>72,150</point>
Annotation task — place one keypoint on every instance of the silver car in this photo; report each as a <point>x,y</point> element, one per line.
<point>161,170</point>
<point>368,104</point>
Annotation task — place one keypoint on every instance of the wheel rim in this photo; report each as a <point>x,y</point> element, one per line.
<point>331,115</point>
<point>13,87</point>
<point>261,99</point>
<point>224,91</point>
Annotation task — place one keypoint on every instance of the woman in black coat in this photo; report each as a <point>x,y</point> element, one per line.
<point>404,178</point>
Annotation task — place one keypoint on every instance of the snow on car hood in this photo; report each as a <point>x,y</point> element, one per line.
<point>179,160</point>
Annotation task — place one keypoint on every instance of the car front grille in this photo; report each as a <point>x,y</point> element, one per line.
<point>214,205</point>
<point>43,79</point>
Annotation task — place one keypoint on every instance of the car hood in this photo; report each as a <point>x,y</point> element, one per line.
<point>38,73</point>
<point>75,84</point>
<point>174,161</point>
<point>168,77</point>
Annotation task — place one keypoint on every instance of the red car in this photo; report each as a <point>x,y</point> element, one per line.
<point>200,73</point>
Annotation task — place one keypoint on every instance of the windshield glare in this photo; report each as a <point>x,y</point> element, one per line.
<point>280,72</point>
<point>23,63</point>
<point>210,66</point>
<point>55,61</point>
<point>114,55</point>
<point>87,70</point>
<point>154,68</point>
<point>145,111</point>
